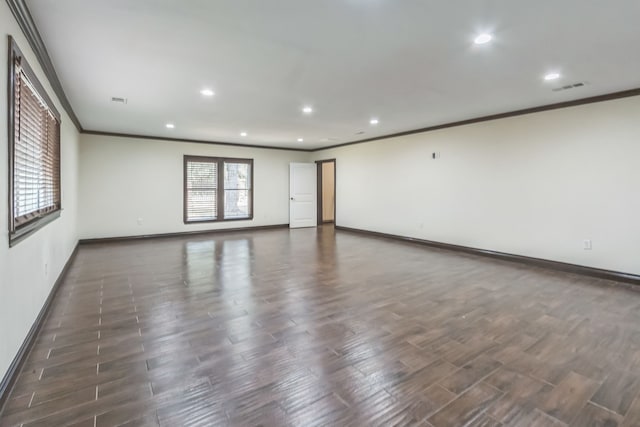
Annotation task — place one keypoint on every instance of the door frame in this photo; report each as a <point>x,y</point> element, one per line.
<point>319,164</point>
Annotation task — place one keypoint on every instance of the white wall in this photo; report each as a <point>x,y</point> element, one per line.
<point>534,185</point>
<point>124,179</point>
<point>24,284</point>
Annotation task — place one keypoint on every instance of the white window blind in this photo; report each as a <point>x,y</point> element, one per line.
<point>35,160</point>
<point>201,190</point>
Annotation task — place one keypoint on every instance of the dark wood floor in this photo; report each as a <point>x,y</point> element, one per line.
<point>312,327</point>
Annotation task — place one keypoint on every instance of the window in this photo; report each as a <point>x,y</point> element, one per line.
<point>217,189</point>
<point>34,151</point>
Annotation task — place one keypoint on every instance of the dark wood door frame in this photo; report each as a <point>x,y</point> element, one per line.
<point>319,164</point>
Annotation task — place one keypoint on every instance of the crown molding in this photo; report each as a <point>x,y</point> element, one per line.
<point>25,21</point>
<point>548,107</point>
<point>197,141</point>
<point>566,104</point>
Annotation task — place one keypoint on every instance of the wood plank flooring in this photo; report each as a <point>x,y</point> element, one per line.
<point>316,327</point>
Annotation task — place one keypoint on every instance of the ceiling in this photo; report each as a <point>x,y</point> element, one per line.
<point>409,63</point>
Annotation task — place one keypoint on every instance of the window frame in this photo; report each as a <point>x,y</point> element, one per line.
<point>220,189</point>
<point>19,232</point>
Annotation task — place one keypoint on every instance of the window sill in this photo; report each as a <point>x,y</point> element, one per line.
<point>207,221</point>
<point>28,229</point>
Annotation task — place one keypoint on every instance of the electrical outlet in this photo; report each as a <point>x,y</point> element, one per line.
<point>46,269</point>
<point>586,245</point>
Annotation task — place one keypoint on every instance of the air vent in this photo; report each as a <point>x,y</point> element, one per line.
<point>119,100</point>
<point>571,86</point>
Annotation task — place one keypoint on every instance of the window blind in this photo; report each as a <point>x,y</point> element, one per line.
<point>201,190</point>
<point>35,162</point>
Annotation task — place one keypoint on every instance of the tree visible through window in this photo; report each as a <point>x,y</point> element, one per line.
<point>217,189</point>
<point>237,186</point>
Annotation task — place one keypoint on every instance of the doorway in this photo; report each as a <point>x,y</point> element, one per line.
<point>326,191</point>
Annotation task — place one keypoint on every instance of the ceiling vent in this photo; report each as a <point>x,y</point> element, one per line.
<point>571,86</point>
<point>119,100</point>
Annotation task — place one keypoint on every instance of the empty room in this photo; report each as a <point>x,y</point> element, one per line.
<point>320,213</point>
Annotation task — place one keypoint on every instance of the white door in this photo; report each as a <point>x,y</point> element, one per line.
<point>302,195</point>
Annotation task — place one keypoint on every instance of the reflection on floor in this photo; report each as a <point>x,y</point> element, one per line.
<point>315,327</point>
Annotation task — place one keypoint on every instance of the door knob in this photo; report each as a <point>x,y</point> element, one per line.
<point>292,198</point>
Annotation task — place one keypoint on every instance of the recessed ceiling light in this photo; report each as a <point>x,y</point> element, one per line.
<point>243,134</point>
<point>374,121</point>
<point>552,76</point>
<point>307,110</point>
<point>170,125</point>
<point>207,92</point>
<point>483,38</point>
<point>300,140</point>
